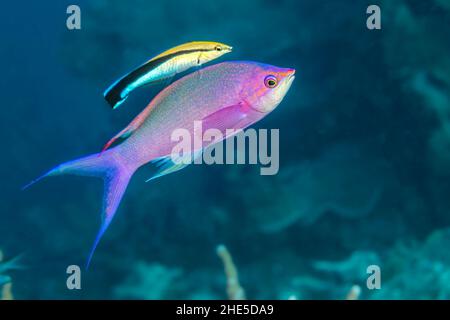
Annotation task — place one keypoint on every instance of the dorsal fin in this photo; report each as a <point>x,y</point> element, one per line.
<point>128,131</point>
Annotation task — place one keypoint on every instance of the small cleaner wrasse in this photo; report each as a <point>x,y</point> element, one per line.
<point>164,66</point>
<point>228,95</point>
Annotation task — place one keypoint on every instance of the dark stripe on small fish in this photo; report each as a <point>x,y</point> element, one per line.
<point>113,93</point>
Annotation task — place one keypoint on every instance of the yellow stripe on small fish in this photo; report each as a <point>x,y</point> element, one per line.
<point>164,66</point>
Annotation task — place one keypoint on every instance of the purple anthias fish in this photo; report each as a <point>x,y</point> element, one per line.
<point>228,95</point>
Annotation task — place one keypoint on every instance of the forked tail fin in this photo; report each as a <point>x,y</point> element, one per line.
<point>115,174</point>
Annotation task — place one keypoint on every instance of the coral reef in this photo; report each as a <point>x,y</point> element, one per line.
<point>418,270</point>
<point>351,270</point>
<point>148,281</point>
<point>236,292</point>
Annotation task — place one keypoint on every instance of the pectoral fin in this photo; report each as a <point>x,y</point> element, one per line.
<point>232,117</point>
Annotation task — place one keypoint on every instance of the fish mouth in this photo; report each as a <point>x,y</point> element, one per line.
<point>291,76</point>
<point>288,75</point>
<point>291,73</point>
<point>288,81</point>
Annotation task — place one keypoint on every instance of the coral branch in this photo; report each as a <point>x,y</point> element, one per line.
<point>234,289</point>
<point>354,293</point>
<point>7,292</point>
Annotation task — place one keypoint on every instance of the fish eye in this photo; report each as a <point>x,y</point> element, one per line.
<point>271,81</point>
<point>218,48</point>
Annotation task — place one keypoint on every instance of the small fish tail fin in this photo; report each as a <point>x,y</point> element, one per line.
<point>115,173</point>
<point>115,95</point>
